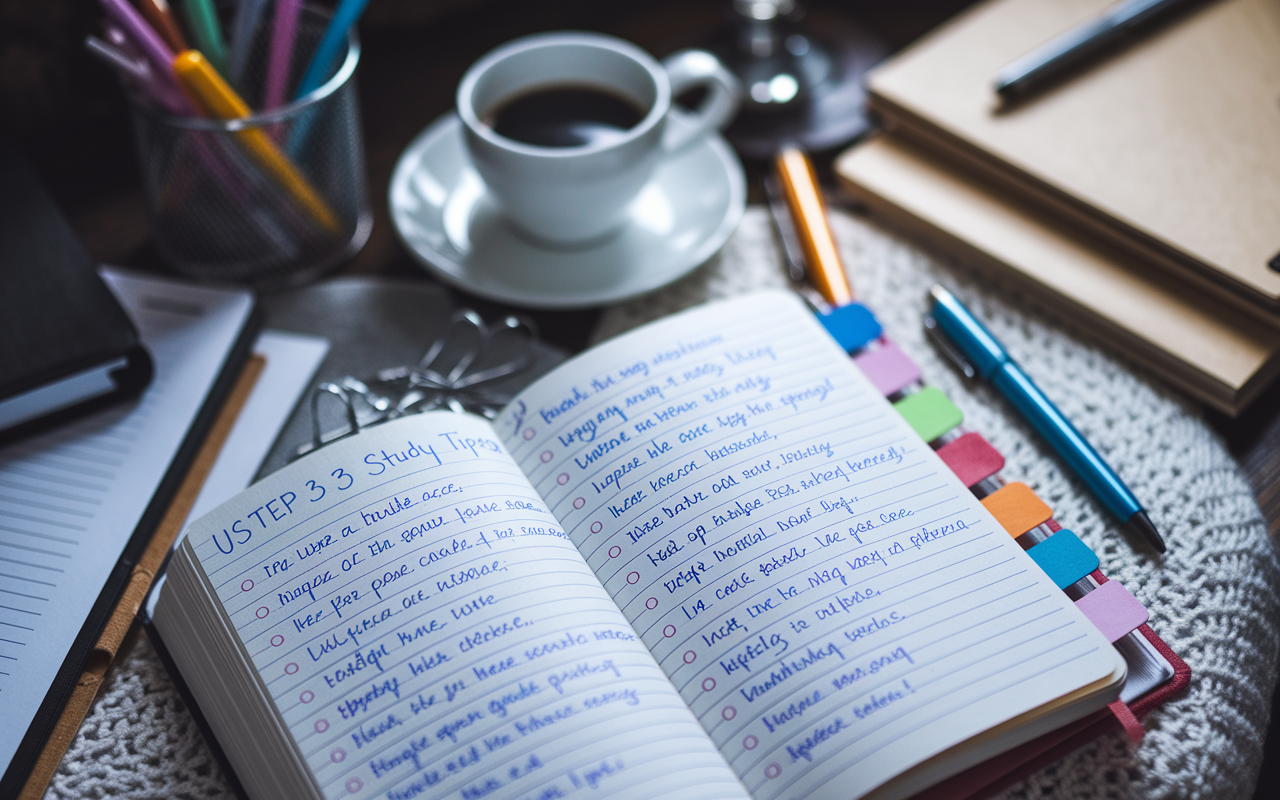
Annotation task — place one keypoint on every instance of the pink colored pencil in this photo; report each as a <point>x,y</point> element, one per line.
<point>280,59</point>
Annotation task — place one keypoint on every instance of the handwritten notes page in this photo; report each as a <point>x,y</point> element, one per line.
<point>426,629</point>
<point>826,596</point>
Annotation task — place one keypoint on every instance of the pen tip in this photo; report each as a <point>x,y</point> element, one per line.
<point>1141,525</point>
<point>938,293</point>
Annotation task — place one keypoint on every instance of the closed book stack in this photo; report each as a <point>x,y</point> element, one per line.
<point>1135,197</point>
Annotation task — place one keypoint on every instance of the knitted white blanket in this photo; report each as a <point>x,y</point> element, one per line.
<point>1213,596</point>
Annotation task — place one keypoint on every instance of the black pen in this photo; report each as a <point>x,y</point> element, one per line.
<point>1054,59</point>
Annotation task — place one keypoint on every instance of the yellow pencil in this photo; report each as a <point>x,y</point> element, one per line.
<point>212,95</point>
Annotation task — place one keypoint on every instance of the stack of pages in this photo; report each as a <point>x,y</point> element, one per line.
<point>1137,197</point>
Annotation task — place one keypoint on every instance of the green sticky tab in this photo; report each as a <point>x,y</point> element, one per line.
<point>929,412</point>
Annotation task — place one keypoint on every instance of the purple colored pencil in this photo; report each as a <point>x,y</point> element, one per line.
<point>280,59</point>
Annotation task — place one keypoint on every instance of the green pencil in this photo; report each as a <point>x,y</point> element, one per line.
<point>203,20</point>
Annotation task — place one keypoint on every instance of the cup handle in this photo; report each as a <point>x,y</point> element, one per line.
<point>690,68</point>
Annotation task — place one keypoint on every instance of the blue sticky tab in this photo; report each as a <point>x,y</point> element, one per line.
<point>1064,558</point>
<point>852,326</point>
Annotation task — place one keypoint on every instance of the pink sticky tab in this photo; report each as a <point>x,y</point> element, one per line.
<point>971,458</point>
<point>1112,610</point>
<point>890,369</point>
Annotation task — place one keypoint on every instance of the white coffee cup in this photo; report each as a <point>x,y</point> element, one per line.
<point>576,194</point>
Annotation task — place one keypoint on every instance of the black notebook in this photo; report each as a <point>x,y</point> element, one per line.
<point>68,346</point>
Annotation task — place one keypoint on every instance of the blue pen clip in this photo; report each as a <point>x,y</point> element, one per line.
<point>948,349</point>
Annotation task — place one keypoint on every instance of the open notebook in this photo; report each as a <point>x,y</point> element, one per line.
<point>704,559</point>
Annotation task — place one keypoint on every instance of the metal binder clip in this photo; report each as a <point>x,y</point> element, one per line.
<point>441,380</point>
<point>948,349</point>
<point>427,386</point>
<point>319,440</point>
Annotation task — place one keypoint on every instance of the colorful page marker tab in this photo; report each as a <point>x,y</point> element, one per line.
<point>889,369</point>
<point>1017,508</point>
<point>852,326</point>
<point>1113,610</point>
<point>971,458</point>
<point>1064,558</point>
<point>929,412</point>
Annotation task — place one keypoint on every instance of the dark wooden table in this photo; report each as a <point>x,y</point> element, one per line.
<point>77,134</point>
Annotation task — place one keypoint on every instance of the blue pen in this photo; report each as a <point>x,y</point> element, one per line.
<point>335,36</point>
<point>977,352</point>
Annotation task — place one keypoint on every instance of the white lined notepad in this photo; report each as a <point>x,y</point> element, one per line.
<point>71,499</point>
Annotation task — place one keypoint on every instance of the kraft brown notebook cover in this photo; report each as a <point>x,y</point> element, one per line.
<point>1204,347</point>
<point>120,623</point>
<point>1167,147</point>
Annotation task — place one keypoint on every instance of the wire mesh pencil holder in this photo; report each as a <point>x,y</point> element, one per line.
<point>221,212</point>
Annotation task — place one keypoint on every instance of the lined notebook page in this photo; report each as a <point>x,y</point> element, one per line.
<point>828,598</point>
<point>425,628</point>
<point>70,499</point>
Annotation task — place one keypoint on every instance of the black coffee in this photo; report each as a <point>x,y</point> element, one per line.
<point>565,116</point>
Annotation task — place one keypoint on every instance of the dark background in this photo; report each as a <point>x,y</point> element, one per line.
<point>69,117</point>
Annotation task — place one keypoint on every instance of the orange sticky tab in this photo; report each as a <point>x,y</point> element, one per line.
<point>1017,508</point>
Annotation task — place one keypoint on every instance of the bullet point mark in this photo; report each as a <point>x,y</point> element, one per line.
<point>615,551</point>
<point>262,612</point>
<point>596,527</point>
<point>307,696</point>
<point>772,771</point>
<point>546,456</point>
<point>729,713</point>
<point>246,585</point>
<point>651,603</point>
<point>750,742</point>
<point>277,640</point>
<point>708,684</point>
<point>578,502</point>
<point>690,656</point>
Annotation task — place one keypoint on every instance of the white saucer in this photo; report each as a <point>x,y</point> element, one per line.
<point>446,217</point>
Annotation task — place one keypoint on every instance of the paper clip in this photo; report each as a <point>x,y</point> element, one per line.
<point>442,379</point>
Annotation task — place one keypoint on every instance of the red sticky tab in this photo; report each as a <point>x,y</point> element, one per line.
<point>890,369</point>
<point>1124,715</point>
<point>971,458</point>
<point>1113,610</point>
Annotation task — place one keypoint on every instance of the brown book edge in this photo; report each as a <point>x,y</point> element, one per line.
<point>122,618</point>
<point>1181,374</point>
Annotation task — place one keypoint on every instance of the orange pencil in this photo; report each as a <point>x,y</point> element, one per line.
<point>161,18</point>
